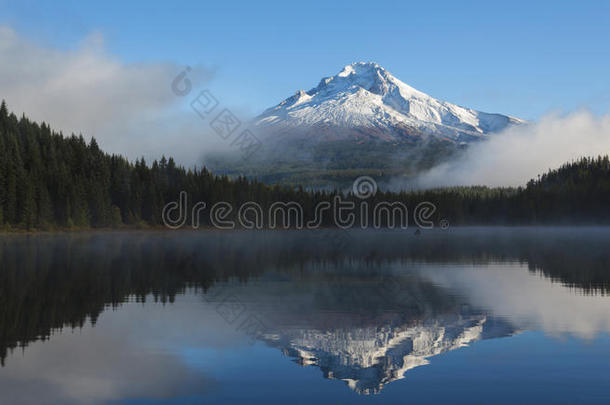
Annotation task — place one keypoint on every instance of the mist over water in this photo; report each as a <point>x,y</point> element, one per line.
<point>386,314</point>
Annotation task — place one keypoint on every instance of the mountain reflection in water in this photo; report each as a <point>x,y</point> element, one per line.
<point>365,312</point>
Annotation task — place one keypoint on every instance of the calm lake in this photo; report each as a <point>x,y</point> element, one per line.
<point>472,315</point>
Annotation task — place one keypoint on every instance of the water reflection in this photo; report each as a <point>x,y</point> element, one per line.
<point>365,313</point>
<point>367,358</point>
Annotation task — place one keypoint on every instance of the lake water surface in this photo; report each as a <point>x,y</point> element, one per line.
<point>473,315</point>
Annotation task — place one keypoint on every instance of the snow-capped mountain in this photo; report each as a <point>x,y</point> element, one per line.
<point>368,358</point>
<point>361,121</point>
<point>366,101</point>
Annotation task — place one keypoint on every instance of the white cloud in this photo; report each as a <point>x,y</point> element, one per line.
<point>133,352</point>
<point>129,108</point>
<point>519,154</point>
<point>528,300</point>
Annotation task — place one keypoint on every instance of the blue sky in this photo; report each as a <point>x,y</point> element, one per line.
<point>523,58</point>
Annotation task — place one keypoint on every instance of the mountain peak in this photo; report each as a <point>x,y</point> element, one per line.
<point>367,75</point>
<point>367,98</point>
<point>360,68</point>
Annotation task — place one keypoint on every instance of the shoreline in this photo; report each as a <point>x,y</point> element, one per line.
<point>161,229</point>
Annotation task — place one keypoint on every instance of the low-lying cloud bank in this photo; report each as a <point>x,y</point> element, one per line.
<point>129,108</point>
<point>513,157</point>
<point>527,300</point>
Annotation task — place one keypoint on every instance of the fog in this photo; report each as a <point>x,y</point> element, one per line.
<point>529,301</point>
<point>129,108</point>
<point>111,362</point>
<point>513,157</point>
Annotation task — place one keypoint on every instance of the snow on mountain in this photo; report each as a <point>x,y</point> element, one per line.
<point>369,358</point>
<point>367,98</point>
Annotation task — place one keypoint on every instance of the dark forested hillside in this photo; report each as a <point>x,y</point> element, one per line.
<point>50,181</point>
